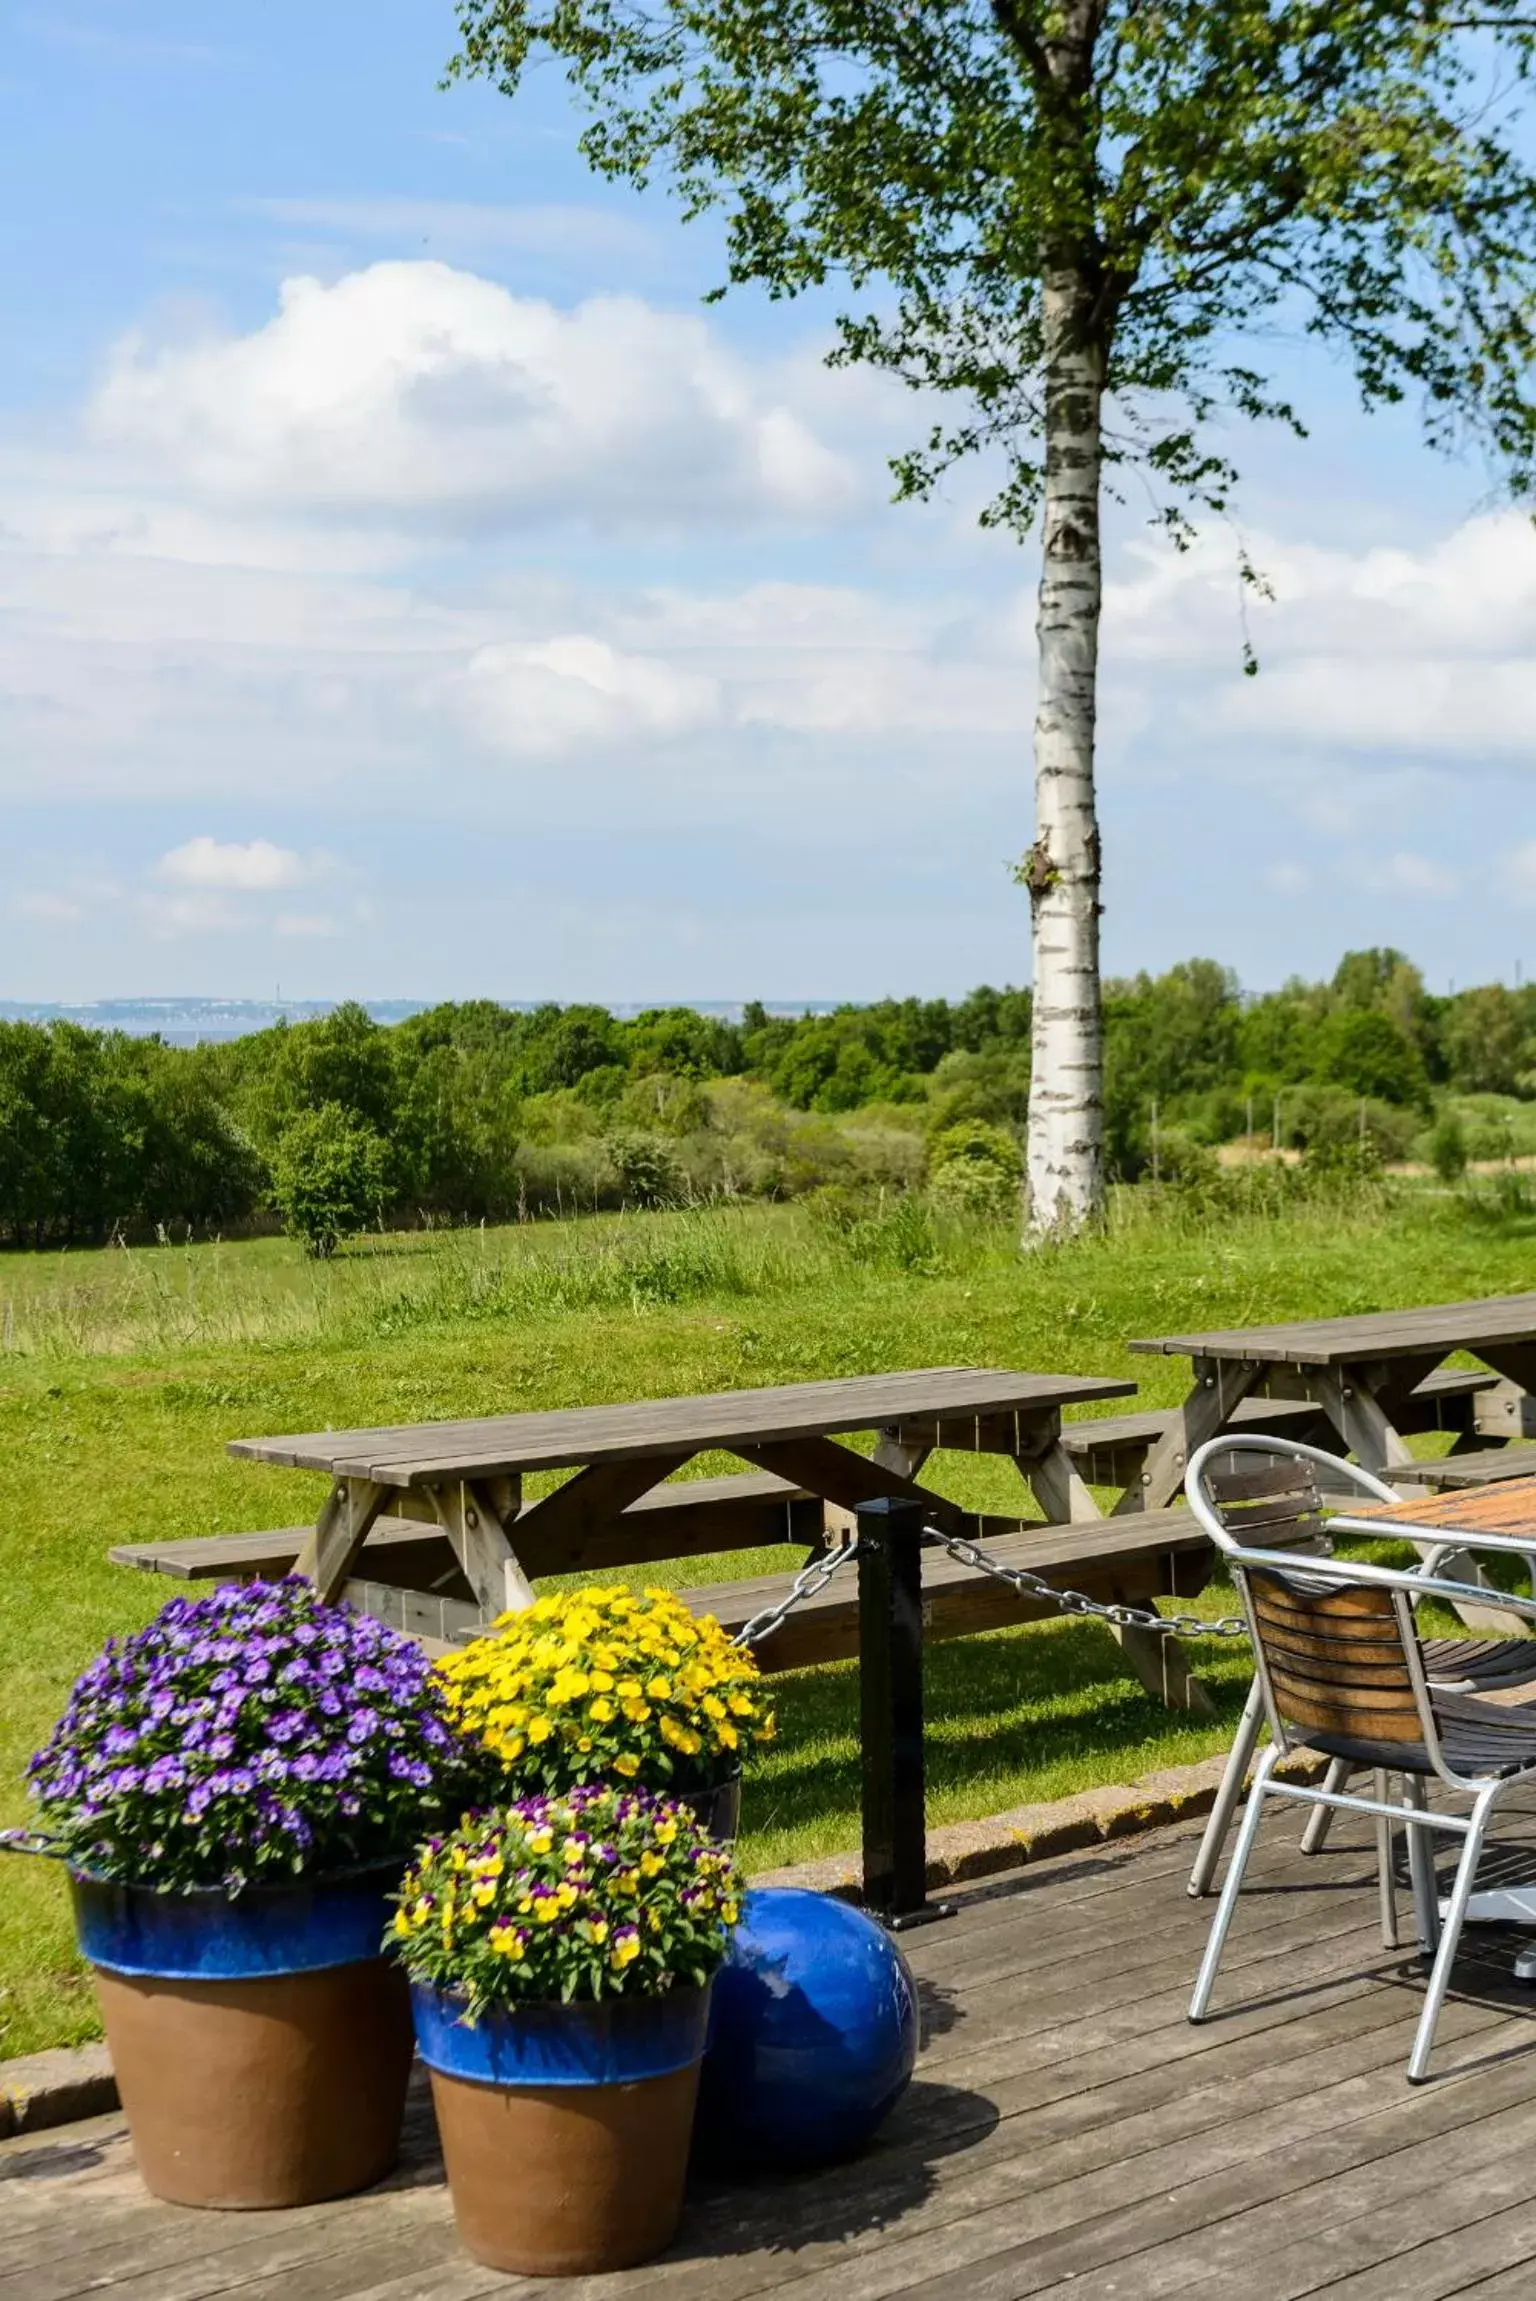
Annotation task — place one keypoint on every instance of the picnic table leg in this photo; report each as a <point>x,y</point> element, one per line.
<point>346,1516</point>
<point>1220,1387</point>
<point>891,1712</point>
<point>473,1526</point>
<point>1352,1405</point>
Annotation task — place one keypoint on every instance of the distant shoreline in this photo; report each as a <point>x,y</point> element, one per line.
<point>193,1022</point>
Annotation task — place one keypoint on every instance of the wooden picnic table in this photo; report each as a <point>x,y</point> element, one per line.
<point>466,1478</point>
<point>1376,1378</point>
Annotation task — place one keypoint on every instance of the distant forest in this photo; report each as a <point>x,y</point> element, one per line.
<point>474,1111</point>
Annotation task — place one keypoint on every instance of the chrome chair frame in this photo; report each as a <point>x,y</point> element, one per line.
<point>1313,1574</point>
<point>1436,1548</point>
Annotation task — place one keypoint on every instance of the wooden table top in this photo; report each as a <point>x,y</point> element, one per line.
<point>1437,1328</point>
<point>494,1445</point>
<point>1508,1508</point>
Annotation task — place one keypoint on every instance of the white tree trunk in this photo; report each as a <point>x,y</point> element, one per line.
<point>1065,1168</point>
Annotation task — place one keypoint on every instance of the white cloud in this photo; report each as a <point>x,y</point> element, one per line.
<point>1288,878</point>
<point>49,910</point>
<point>1517,872</point>
<point>417,394</point>
<point>169,916</point>
<point>257,866</point>
<point>1405,874</point>
<point>576,692</point>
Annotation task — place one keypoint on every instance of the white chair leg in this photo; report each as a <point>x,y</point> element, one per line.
<point>1450,1935</point>
<point>1315,1836</point>
<point>1386,1883</point>
<point>1219,1821</point>
<point>1421,1868</point>
<point>1205,1980</point>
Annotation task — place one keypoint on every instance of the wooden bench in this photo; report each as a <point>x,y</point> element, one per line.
<point>1157,1554</point>
<point>689,1518</point>
<point>1485,1468</point>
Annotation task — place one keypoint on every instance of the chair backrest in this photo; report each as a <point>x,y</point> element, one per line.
<point>1278,1507</point>
<point>1338,1659</point>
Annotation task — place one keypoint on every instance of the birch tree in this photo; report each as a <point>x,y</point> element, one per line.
<point>1083,227</point>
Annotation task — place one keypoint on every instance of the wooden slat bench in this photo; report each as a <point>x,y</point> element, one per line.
<point>1158,1554</point>
<point>688,1518</point>
<point>1488,1467</point>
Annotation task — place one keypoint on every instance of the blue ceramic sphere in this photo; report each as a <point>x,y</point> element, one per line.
<point>813,2034</point>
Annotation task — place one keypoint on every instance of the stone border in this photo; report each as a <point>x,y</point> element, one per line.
<point>960,1852</point>
<point>45,2089</point>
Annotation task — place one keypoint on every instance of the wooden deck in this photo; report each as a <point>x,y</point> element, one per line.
<point>1067,2131</point>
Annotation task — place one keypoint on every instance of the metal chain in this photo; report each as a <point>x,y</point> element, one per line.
<point>818,1574</point>
<point>1027,1585</point>
<point>805,1585</point>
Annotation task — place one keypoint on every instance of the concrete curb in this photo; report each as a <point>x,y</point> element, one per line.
<point>962,1851</point>
<point>45,2089</point>
<point>55,2088</point>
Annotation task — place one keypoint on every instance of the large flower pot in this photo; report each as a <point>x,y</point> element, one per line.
<point>565,2128</point>
<point>262,2045</point>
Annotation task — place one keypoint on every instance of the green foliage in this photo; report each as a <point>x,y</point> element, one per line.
<point>1447,1147</point>
<point>648,1172</point>
<point>999,188</point>
<point>330,1177</point>
<point>975,1168</point>
<point>488,1113</point>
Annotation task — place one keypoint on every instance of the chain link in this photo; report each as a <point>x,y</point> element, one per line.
<point>805,1585</point>
<point>1027,1585</point>
<point>815,1577</point>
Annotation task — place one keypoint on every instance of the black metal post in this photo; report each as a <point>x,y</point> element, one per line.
<point>891,1711</point>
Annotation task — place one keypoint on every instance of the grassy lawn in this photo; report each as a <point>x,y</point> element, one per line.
<point>123,1373</point>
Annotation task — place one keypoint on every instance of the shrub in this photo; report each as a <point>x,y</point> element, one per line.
<point>330,1173</point>
<point>554,1900</point>
<point>588,1684</point>
<point>245,1737</point>
<point>648,1169</point>
<point>1447,1147</point>
<point>974,1168</point>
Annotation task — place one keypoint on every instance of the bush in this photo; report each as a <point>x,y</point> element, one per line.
<point>1447,1147</point>
<point>330,1173</point>
<point>648,1169</point>
<point>975,1168</point>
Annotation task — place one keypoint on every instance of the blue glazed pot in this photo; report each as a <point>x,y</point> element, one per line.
<point>211,1936</point>
<point>618,2041</point>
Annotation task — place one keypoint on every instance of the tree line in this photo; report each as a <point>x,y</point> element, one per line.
<point>476,1111</point>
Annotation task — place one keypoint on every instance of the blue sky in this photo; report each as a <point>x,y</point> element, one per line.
<point>407,589</point>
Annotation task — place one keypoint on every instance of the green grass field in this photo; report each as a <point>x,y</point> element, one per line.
<point>123,1373</point>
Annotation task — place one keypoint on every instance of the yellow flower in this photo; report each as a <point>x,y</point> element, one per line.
<point>660,1689</point>
<point>681,1737</point>
<point>540,1841</point>
<point>666,1830</point>
<point>539,1730</point>
<point>624,1952</point>
<point>546,1908</point>
<point>727,1734</point>
<point>402,1922</point>
<point>713,1707</point>
<point>597,1929</point>
<point>627,1764</point>
<point>600,1711</point>
<point>650,1863</point>
<point>602,1681</point>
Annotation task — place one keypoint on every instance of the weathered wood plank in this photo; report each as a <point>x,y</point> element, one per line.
<point>498,1444</point>
<point>1437,1328</point>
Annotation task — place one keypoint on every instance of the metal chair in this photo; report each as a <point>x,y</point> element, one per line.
<point>1282,1506</point>
<point>1341,1669</point>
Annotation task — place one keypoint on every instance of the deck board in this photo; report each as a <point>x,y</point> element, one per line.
<point>1067,2130</point>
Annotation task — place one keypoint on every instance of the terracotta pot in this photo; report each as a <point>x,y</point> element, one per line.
<point>262,2045</point>
<point>565,2128</point>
